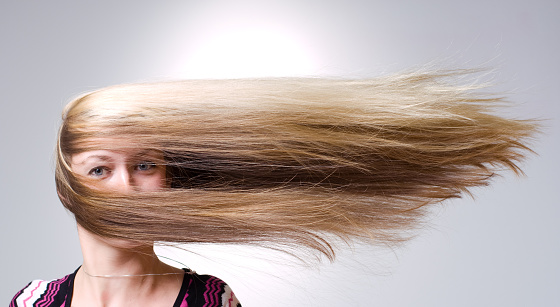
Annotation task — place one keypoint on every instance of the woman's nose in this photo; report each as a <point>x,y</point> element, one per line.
<point>123,180</point>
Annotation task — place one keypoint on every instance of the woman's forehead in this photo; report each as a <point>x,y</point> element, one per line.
<point>116,143</point>
<point>111,155</point>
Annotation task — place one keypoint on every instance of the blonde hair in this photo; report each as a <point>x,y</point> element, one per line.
<point>289,162</point>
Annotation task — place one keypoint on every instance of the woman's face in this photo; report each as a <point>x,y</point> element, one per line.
<point>125,171</point>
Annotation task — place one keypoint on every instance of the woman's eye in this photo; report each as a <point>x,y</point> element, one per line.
<point>144,166</point>
<point>97,171</point>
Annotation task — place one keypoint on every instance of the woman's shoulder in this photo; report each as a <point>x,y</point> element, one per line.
<point>205,290</point>
<point>196,290</point>
<point>44,292</point>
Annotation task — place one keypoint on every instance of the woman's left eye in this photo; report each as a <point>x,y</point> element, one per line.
<point>145,166</point>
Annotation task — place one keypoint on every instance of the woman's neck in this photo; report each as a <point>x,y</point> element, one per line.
<point>107,256</point>
<point>152,279</point>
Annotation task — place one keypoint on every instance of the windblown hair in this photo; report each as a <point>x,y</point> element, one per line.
<point>289,162</point>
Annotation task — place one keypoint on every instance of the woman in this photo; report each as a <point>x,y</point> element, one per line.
<point>284,163</point>
<point>121,272</point>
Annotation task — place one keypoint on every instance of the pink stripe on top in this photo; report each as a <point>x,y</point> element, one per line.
<point>31,294</point>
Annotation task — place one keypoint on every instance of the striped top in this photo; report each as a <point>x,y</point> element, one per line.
<point>196,291</point>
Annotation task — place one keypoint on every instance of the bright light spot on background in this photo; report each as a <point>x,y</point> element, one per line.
<point>230,40</point>
<point>248,53</point>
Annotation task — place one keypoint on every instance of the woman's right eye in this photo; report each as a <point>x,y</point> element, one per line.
<point>97,171</point>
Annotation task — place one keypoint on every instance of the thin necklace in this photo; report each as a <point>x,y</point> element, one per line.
<point>135,275</point>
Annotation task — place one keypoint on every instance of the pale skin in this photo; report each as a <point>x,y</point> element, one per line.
<point>124,171</point>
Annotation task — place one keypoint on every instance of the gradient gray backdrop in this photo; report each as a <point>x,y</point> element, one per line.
<point>500,250</point>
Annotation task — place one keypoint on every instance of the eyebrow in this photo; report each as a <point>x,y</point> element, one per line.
<point>146,153</point>
<point>100,157</point>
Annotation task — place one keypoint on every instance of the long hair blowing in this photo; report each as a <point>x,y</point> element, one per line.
<point>289,162</point>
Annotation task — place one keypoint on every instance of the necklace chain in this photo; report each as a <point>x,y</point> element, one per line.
<point>136,275</point>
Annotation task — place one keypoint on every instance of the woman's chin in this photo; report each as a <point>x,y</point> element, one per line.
<point>126,244</point>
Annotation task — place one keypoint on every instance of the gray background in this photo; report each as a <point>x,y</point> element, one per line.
<point>501,249</point>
